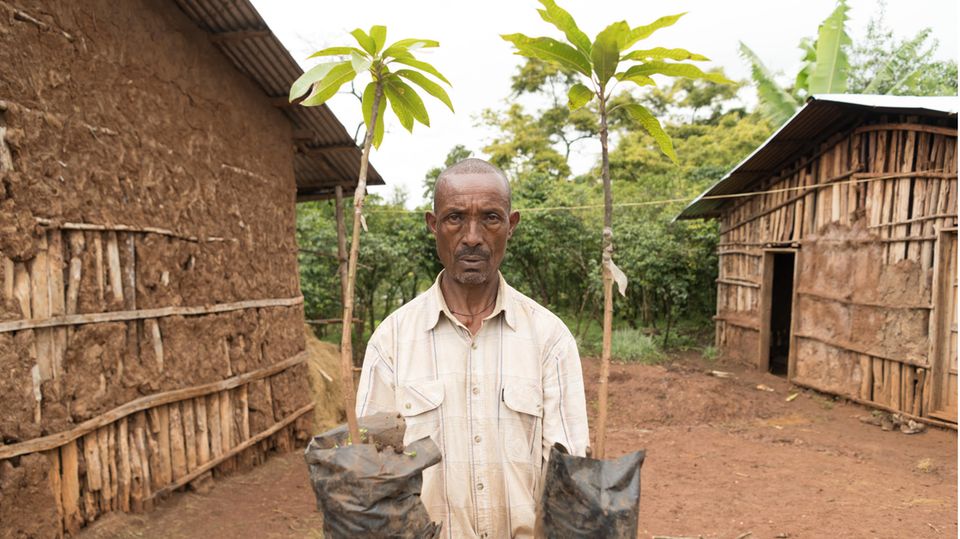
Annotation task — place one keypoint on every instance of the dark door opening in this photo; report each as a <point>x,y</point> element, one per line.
<point>781,310</point>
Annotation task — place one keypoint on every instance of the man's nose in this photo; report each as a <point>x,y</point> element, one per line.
<point>473,235</point>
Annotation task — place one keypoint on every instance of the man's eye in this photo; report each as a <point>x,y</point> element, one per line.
<point>454,218</point>
<point>493,217</point>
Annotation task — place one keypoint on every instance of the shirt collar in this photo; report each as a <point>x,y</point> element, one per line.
<point>436,305</point>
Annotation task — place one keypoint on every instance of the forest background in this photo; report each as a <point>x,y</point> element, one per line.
<point>554,255</point>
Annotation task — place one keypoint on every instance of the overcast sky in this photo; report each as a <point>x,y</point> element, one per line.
<point>479,63</point>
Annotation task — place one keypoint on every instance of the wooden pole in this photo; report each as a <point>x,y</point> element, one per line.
<point>607,255</point>
<point>346,343</point>
<point>341,243</point>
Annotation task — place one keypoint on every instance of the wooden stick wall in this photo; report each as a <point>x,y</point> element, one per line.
<point>125,458</point>
<point>896,179</point>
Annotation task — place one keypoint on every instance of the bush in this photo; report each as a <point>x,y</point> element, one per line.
<point>632,345</point>
<point>710,353</point>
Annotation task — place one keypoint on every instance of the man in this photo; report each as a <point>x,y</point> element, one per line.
<point>490,375</point>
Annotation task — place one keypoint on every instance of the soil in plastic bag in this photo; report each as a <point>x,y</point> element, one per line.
<point>372,489</point>
<point>584,497</point>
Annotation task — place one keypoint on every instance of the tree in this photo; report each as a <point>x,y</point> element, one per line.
<point>599,64</point>
<point>881,65</point>
<point>386,86</point>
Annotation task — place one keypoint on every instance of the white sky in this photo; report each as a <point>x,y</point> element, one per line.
<point>479,63</point>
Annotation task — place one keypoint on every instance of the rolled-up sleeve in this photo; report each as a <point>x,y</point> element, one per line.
<point>376,389</point>
<point>564,403</point>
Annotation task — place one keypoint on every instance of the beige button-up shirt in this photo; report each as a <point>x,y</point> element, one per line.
<point>494,403</point>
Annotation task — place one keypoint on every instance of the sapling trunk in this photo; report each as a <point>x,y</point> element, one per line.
<point>600,450</point>
<point>341,244</point>
<point>346,339</point>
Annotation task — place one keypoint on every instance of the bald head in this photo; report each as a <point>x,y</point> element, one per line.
<point>470,166</point>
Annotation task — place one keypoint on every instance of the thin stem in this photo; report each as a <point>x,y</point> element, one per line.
<point>607,258</point>
<point>346,339</point>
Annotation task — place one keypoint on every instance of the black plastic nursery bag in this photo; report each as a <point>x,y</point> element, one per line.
<point>364,492</point>
<point>584,497</point>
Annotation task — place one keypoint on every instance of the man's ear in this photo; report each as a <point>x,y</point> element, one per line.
<point>514,220</point>
<point>431,222</point>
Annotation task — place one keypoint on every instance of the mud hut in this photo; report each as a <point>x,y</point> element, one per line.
<point>838,250</point>
<point>151,322</point>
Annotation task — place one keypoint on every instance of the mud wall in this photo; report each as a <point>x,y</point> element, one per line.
<point>124,117</point>
<point>863,210</point>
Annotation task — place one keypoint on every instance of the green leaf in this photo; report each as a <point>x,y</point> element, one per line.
<point>328,86</point>
<point>829,75</point>
<point>334,51</point>
<point>399,92</point>
<point>578,96</point>
<point>676,70</point>
<point>639,80</point>
<point>379,35</point>
<point>409,45</point>
<point>564,22</point>
<point>775,103</point>
<point>366,42</point>
<point>661,53</point>
<point>360,63</point>
<point>651,125</point>
<point>409,60</point>
<point>431,87</point>
<point>399,108</point>
<point>305,81</point>
<point>606,50</point>
<point>643,32</point>
<point>802,82</point>
<point>550,50</point>
<point>369,94</point>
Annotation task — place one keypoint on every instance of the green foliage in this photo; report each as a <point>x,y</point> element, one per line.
<point>635,346</point>
<point>882,64</point>
<point>325,80</point>
<point>600,61</point>
<point>829,73</point>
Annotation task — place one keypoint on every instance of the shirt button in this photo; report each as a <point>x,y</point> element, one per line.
<point>477,439</point>
<point>476,390</point>
<point>474,345</point>
<point>479,486</point>
<point>407,406</point>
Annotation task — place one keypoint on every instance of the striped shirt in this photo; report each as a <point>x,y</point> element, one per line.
<point>494,403</point>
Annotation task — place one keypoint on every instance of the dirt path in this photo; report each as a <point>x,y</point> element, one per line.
<point>723,459</point>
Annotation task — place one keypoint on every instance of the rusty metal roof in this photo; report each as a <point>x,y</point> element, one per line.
<point>326,155</point>
<point>820,117</point>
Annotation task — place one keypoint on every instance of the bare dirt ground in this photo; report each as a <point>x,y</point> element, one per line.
<point>724,460</point>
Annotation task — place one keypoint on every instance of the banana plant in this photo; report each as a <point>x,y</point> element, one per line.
<point>603,63</point>
<point>391,70</point>
<point>824,71</point>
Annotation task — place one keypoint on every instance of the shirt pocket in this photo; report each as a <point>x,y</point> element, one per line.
<point>419,404</point>
<point>520,422</point>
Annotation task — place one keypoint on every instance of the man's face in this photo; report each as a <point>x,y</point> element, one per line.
<point>472,224</point>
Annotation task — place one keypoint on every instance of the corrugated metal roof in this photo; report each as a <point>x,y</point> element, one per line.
<point>326,155</point>
<point>822,116</point>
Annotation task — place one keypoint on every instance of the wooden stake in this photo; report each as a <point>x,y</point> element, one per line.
<point>341,243</point>
<point>98,266</point>
<point>58,336</point>
<point>53,458</point>
<point>202,436</point>
<point>178,455</point>
<point>155,338</point>
<point>8,278</point>
<point>137,462</point>
<point>76,242</point>
<point>113,264</point>
<point>70,484</point>
<point>189,433</point>
<point>106,481</point>
<point>213,423</point>
<point>124,465</point>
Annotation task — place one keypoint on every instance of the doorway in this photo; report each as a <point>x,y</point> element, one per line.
<point>777,310</point>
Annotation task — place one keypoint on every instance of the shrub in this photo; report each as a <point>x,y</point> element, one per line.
<point>632,345</point>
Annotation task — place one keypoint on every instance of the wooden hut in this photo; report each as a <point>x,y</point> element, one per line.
<point>838,252</point>
<point>151,321</point>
